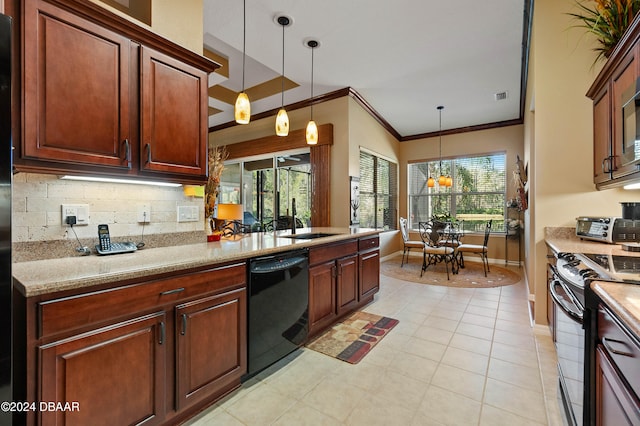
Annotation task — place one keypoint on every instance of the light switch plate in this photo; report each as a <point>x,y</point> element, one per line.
<point>80,211</point>
<point>187,213</point>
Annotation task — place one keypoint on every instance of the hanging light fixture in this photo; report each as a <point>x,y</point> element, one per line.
<point>442,180</point>
<point>312,129</point>
<point>282,120</point>
<point>242,110</point>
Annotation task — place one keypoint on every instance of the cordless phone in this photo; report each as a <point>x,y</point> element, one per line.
<point>107,247</point>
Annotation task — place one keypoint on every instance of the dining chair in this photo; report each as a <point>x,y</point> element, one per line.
<point>478,249</point>
<point>434,253</point>
<point>408,244</point>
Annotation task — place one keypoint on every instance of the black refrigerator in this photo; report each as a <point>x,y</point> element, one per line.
<point>5,216</point>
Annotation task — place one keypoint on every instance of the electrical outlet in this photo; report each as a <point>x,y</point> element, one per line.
<point>144,213</point>
<point>187,213</point>
<point>80,211</point>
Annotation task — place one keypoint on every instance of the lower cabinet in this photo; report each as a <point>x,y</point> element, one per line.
<point>342,277</point>
<point>186,348</point>
<point>113,375</point>
<point>369,263</point>
<point>615,404</point>
<point>210,345</point>
<point>617,368</point>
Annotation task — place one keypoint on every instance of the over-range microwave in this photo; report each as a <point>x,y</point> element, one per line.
<point>628,160</point>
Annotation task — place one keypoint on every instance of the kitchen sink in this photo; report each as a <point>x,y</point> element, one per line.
<point>309,236</point>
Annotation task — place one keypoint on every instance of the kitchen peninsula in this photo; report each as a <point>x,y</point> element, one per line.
<point>166,326</point>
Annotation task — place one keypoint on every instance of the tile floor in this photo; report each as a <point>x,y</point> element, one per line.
<point>457,357</point>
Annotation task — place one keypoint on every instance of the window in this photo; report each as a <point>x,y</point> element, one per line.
<point>477,195</point>
<point>378,192</point>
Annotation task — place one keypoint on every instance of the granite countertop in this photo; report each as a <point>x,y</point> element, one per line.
<point>565,239</point>
<point>624,301</point>
<point>622,298</point>
<point>40,277</point>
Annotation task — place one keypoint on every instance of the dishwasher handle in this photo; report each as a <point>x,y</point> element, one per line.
<point>268,265</point>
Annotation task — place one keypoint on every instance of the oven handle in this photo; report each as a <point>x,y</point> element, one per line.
<point>576,316</point>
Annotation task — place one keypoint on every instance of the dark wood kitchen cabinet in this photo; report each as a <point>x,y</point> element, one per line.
<point>617,367</point>
<point>210,345</point>
<point>369,264</point>
<point>618,75</point>
<point>114,374</point>
<point>96,101</point>
<point>332,277</point>
<point>169,346</point>
<point>342,277</point>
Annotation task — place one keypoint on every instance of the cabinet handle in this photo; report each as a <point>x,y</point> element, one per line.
<point>148,147</point>
<point>334,271</point>
<point>607,345</point>
<point>184,324</point>
<point>163,332</point>
<point>127,152</point>
<point>174,291</point>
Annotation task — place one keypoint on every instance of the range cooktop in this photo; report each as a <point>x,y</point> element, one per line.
<point>620,268</point>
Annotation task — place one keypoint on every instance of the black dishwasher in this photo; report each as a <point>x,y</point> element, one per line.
<point>278,307</point>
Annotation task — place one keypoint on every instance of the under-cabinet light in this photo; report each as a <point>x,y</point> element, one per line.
<point>113,180</point>
<point>632,186</point>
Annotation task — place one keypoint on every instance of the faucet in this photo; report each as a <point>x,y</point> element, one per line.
<point>293,215</point>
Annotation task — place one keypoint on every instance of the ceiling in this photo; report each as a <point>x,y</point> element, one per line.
<point>403,58</point>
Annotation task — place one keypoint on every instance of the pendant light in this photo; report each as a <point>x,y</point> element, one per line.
<point>282,120</point>
<point>242,110</point>
<point>312,129</point>
<point>442,180</point>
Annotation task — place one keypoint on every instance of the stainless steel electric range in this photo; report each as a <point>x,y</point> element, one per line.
<point>569,278</point>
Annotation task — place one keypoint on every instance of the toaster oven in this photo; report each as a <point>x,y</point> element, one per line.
<point>610,230</point>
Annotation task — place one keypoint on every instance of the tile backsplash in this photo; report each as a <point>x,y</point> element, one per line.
<point>38,199</point>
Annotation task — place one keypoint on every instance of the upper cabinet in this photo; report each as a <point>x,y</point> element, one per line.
<point>609,92</point>
<point>102,95</point>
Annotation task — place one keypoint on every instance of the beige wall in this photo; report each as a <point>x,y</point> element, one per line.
<point>560,138</point>
<point>367,133</point>
<point>503,139</point>
<point>179,21</point>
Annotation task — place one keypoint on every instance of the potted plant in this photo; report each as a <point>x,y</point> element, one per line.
<point>607,20</point>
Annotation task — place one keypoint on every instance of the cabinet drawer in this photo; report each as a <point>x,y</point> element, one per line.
<point>368,243</point>
<point>60,315</point>
<point>621,347</point>
<point>332,251</point>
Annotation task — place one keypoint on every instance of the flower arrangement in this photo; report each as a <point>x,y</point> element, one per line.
<point>607,20</point>
<point>217,157</point>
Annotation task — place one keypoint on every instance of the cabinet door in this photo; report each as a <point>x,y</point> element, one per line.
<point>322,295</point>
<point>602,138</point>
<point>116,375</point>
<point>173,116</point>
<point>624,78</point>
<point>211,351</point>
<point>347,283</point>
<point>76,89</point>
<point>615,404</point>
<point>369,274</point>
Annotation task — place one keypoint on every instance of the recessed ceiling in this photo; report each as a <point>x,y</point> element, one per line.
<point>403,57</point>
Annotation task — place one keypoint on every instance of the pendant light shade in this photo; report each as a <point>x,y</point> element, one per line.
<point>242,110</point>
<point>282,119</point>
<point>282,123</point>
<point>431,182</point>
<point>312,129</point>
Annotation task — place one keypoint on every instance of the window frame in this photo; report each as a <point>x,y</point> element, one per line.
<point>449,166</point>
<point>391,197</point>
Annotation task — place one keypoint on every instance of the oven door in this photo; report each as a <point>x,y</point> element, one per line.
<point>569,340</point>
